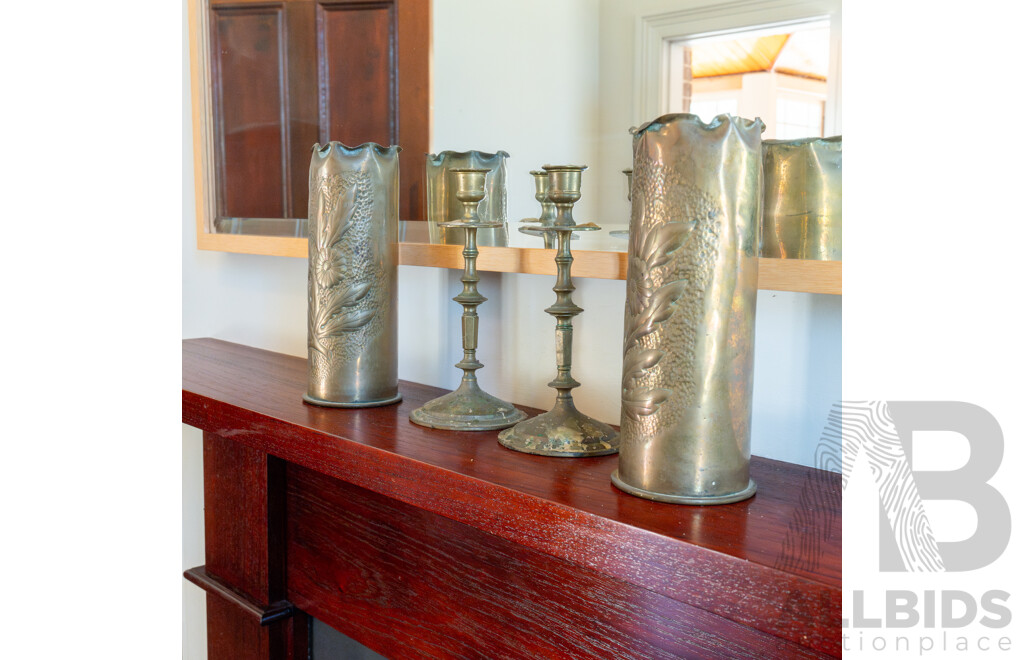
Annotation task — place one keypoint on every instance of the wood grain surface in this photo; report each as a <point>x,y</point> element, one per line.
<point>243,493</point>
<point>412,584</point>
<point>771,563</point>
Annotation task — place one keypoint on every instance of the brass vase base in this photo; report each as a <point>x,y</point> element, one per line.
<point>562,431</point>
<point>351,404</point>
<point>728,498</point>
<point>467,409</point>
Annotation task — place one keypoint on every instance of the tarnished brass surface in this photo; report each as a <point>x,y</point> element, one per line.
<point>353,276</point>
<point>468,408</point>
<point>548,212</point>
<point>564,185</point>
<point>443,205</point>
<point>691,290</point>
<point>563,430</point>
<point>803,199</point>
<point>547,208</point>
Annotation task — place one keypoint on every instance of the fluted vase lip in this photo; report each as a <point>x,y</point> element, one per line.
<point>832,139</point>
<point>483,155</point>
<point>676,117</point>
<point>379,149</point>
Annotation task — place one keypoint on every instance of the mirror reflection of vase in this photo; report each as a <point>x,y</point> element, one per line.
<point>803,199</point>
<point>442,206</point>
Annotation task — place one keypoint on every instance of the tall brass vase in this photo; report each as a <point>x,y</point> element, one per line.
<point>691,290</point>
<point>353,276</point>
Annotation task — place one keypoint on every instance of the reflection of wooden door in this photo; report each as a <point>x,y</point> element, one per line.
<point>288,73</point>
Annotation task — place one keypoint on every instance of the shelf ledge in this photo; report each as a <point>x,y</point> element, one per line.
<point>800,275</point>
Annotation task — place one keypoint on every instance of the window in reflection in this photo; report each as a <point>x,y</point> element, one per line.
<point>777,74</point>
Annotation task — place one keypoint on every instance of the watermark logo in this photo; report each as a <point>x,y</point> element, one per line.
<point>883,431</point>
<point>880,434</point>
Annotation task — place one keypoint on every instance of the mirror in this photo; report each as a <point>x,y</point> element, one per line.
<point>550,83</point>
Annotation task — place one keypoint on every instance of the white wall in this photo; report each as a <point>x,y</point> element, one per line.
<point>534,95</point>
<point>538,98</point>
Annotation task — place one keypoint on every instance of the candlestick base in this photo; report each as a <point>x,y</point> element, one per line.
<point>467,409</point>
<point>562,431</point>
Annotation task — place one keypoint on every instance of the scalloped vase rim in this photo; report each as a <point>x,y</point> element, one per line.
<point>807,140</point>
<point>340,146</point>
<point>485,155</point>
<point>674,117</point>
<point>560,168</point>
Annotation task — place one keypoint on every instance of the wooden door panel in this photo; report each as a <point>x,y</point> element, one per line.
<point>356,47</point>
<point>289,73</point>
<point>413,71</point>
<point>247,48</point>
<point>303,105</point>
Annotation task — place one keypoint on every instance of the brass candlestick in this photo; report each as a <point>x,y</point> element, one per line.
<point>563,430</point>
<point>468,408</point>
<point>548,212</point>
<point>547,208</point>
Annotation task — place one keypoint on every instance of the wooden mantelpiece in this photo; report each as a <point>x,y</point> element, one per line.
<point>425,543</point>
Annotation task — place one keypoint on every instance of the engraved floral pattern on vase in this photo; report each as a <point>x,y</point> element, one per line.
<point>346,284</point>
<point>674,241</point>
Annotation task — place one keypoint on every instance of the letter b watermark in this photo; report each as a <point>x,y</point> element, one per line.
<point>884,432</point>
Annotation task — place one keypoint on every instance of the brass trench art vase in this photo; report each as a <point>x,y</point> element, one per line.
<point>468,408</point>
<point>352,328</point>
<point>444,206</point>
<point>563,430</point>
<point>803,199</point>
<point>691,291</point>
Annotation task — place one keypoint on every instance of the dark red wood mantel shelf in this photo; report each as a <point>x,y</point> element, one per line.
<point>425,543</point>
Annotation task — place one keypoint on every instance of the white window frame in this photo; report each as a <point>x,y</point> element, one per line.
<point>801,97</point>
<point>723,95</point>
<point>701,18</point>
